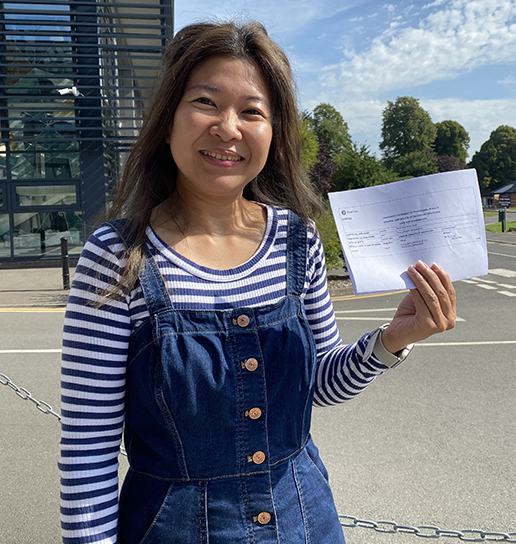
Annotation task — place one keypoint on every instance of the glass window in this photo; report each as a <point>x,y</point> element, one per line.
<point>5,246</point>
<point>39,233</point>
<point>46,195</point>
<point>2,197</point>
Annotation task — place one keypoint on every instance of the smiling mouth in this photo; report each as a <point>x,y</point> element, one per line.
<point>233,158</point>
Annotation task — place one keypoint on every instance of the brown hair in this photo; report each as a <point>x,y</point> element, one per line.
<point>149,175</point>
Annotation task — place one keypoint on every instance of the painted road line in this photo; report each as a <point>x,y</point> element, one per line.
<point>503,272</point>
<point>490,343</point>
<point>4,351</point>
<point>384,319</point>
<point>32,310</point>
<point>355,297</point>
<point>364,311</point>
<point>486,286</point>
<point>507,293</point>
<point>502,255</point>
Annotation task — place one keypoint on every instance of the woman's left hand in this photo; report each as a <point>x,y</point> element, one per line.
<point>428,309</point>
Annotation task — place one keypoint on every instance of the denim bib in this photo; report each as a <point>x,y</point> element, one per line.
<point>218,409</point>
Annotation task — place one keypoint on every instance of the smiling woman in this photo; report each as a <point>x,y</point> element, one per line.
<point>199,322</point>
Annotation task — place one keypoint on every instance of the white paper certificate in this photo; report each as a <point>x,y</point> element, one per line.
<point>386,228</point>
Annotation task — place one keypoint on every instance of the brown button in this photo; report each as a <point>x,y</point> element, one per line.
<point>264,518</point>
<point>254,413</point>
<point>243,320</point>
<point>258,457</point>
<point>251,364</point>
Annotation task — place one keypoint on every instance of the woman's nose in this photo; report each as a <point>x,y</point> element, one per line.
<point>227,126</point>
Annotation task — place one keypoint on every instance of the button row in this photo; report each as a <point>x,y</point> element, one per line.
<point>254,413</point>
<point>250,364</point>
<point>263,518</point>
<point>257,458</point>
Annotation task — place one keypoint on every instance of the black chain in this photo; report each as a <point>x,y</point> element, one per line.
<point>423,531</point>
<point>427,531</point>
<point>42,406</point>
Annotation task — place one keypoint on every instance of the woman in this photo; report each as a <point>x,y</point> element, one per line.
<point>201,320</point>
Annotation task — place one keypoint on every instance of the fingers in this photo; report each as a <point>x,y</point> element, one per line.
<point>434,297</point>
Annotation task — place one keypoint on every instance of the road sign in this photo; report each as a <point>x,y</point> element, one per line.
<point>504,200</point>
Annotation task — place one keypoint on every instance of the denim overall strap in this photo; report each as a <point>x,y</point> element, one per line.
<point>297,254</point>
<point>153,287</point>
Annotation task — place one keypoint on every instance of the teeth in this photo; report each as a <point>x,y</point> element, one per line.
<point>222,157</point>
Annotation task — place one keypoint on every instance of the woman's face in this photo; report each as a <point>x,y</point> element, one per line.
<point>222,128</point>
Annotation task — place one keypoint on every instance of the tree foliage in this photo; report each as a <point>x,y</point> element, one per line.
<point>451,139</point>
<point>495,161</point>
<point>406,127</point>
<point>359,168</point>
<point>322,171</point>
<point>330,129</point>
<point>309,143</point>
<point>416,163</point>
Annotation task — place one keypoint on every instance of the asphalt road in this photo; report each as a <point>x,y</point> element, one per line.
<point>429,443</point>
<point>432,442</point>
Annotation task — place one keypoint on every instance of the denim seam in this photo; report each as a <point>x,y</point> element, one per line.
<point>156,517</point>
<point>301,502</point>
<point>203,479</point>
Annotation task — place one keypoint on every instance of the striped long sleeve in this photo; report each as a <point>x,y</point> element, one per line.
<point>95,345</point>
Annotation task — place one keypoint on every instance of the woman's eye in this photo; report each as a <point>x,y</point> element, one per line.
<point>252,111</point>
<point>205,101</point>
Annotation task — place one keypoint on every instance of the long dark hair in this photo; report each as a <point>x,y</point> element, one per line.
<point>149,175</point>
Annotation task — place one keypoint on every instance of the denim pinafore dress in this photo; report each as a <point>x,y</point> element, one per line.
<point>218,409</point>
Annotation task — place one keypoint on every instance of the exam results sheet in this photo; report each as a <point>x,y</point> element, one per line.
<point>386,228</point>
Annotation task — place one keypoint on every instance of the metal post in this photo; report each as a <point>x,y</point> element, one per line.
<point>502,217</point>
<point>64,263</point>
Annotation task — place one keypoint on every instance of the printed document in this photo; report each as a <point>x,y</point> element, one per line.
<point>386,228</point>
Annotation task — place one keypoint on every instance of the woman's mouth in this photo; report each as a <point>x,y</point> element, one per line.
<point>233,158</point>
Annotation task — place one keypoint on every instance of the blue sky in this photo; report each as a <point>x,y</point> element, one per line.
<point>458,57</point>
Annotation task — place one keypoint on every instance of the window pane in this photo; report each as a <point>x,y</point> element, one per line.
<point>39,233</point>
<point>46,195</point>
<point>1,197</point>
<point>5,247</point>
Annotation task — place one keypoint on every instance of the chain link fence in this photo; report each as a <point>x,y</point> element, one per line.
<point>389,527</point>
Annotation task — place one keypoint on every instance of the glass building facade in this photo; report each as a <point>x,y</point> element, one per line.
<point>74,80</point>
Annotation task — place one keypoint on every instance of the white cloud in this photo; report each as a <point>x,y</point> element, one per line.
<point>434,4</point>
<point>280,18</point>
<point>465,35</point>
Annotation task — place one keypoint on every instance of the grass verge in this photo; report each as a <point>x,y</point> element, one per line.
<point>497,227</point>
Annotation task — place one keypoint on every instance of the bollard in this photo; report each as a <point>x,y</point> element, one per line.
<point>42,243</point>
<point>502,218</point>
<point>64,263</point>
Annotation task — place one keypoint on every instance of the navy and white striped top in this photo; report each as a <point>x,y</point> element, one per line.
<point>95,345</point>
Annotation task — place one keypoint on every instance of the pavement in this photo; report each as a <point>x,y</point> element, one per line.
<point>43,287</point>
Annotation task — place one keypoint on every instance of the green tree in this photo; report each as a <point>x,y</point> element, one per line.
<point>331,129</point>
<point>495,161</point>
<point>406,127</point>
<point>358,168</point>
<point>309,142</point>
<point>416,163</point>
<point>452,139</point>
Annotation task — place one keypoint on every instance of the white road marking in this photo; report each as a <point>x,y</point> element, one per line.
<point>507,293</point>
<point>378,318</point>
<point>491,343</point>
<point>503,272</point>
<point>363,311</point>
<point>502,254</point>
<point>486,286</point>
<point>2,351</point>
